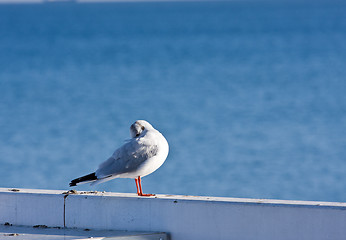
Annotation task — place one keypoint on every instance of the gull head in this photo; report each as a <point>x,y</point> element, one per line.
<point>139,127</point>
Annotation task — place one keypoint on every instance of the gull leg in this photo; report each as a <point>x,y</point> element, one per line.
<point>140,192</point>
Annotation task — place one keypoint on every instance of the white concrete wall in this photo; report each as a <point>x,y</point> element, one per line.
<point>32,207</point>
<point>184,217</point>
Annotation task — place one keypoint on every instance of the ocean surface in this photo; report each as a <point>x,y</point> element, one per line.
<point>251,96</point>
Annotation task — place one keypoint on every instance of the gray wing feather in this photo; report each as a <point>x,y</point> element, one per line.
<point>127,158</point>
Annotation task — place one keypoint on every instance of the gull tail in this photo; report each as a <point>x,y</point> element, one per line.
<point>85,179</point>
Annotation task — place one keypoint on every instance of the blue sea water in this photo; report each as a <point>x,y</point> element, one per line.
<point>251,96</point>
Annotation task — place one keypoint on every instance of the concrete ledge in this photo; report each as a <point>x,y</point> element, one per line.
<point>32,207</point>
<point>45,233</point>
<point>184,217</point>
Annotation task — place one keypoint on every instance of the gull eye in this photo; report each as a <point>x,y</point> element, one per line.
<point>143,128</point>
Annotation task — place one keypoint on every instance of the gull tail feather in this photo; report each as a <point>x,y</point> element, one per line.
<point>85,179</point>
<point>103,179</point>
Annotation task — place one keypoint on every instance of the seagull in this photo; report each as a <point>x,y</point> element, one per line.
<point>141,155</point>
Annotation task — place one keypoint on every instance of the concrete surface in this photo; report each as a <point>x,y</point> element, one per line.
<point>183,217</point>
<point>30,233</point>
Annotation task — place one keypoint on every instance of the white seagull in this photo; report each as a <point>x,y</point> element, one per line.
<point>145,152</point>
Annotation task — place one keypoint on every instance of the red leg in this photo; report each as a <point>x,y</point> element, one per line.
<point>139,191</point>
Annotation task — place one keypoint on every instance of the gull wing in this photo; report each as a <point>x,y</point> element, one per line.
<point>127,158</point>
